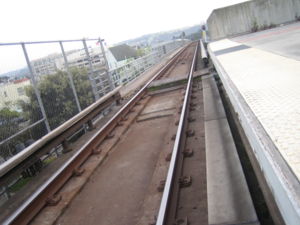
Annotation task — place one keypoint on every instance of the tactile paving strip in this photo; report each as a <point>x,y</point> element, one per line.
<point>270,84</point>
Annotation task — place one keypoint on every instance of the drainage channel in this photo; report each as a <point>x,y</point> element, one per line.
<point>255,181</point>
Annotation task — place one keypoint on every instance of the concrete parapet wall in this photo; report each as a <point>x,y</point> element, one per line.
<point>250,16</point>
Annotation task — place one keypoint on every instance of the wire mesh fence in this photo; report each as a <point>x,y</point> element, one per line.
<point>133,68</point>
<point>55,81</point>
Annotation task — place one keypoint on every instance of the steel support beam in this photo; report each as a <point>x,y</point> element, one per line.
<point>36,90</point>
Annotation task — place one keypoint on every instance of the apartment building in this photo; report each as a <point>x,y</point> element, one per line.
<point>12,92</point>
<point>46,65</point>
<point>76,58</point>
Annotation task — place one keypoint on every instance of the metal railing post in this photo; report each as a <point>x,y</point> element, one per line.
<point>111,83</point>
<point>34,84</point>
<point>92,73</point>
<point>70,76</point>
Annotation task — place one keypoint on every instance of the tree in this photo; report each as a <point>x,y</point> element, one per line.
<point>8,122</point>
<point>183,35</point>
<point>57,97</point>
<point>9,125</point>
<point>194,36</point>
<point>59,103</point>
<point>140,52</point>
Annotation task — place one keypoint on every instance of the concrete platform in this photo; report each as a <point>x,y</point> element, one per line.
<point>282,40</point>
<point>262,80</point>
<point>229,200</point>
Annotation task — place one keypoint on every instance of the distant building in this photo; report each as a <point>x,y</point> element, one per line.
<point>79,59</point>
<point>76,58</point>
<point>116,57</point>
<point>12,92</point>
<point>119,55</point>
<point>166,46</point>
<point>14,75</point>
<point>46,65</point>
<point>4,79</point>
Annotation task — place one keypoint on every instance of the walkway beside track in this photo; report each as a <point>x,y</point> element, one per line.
<point>261,75</point>
<point>229,200</point>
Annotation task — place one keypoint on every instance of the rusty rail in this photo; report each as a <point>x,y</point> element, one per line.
<point>165,208</point>
<point>37,200</point>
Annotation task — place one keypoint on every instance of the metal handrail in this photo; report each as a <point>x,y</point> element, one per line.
<point>15,160</point>
<point>52,41</point>
<point>170,176</point>
<point>22,131</point>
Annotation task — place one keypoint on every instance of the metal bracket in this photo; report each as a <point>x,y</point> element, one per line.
<point>168,156</point>
<point>96,151</point>
<point>182,221</point>
<point>90,125</point>
<point>185,181</point>
<point>191,119</point>
<point>119,124</point>
<point>118,101</point>
<point>188,152</point>
<point>190,133</point>
<point>53,200</point>
<point>179,109</point>
<point>125,118</point>
<point>78,172</point>
<point>66,146</point>
<point>161,185</point>
<point>109,136</point>
<point>173,137</point>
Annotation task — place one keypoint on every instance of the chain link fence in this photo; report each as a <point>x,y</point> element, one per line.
<point>57,80</point>
<point>132,69</point>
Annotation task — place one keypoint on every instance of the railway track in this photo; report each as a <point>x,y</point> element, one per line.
<point>158,160</point>
<point>47,193</point>
<point>187,164</point>
<point>145,141</point>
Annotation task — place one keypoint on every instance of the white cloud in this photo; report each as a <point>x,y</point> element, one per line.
<point>114,20</point>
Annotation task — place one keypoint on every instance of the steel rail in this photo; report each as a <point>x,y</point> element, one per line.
<point>30,207</point>
<point>163,210</point>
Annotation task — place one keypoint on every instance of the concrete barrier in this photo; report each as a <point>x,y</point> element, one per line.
<point>251,16</point>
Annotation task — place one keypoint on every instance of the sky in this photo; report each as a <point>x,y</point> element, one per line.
<point>113,20</point>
